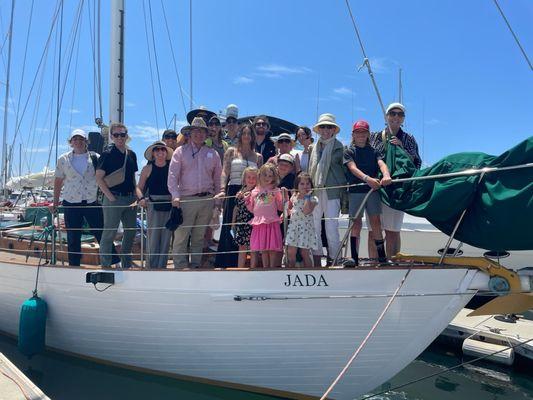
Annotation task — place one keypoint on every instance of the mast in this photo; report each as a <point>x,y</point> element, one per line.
<point>116,81</point>
<point>6,102</point>
<point>400,86</point>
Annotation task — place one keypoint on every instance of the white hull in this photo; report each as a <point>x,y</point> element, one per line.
<point>187,322</point>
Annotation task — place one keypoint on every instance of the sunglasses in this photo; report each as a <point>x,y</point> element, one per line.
<point>119,134</point>
<point>160,149</point>
<point>284,141</point>
<point>171,136</point>
<point>326,126</point>
<point>214,123</point>
<point>261,124</point>
<point>396,113</point>
<point>231,121</point>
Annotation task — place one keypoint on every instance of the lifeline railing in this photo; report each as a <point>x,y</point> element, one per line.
<point>142,254</point>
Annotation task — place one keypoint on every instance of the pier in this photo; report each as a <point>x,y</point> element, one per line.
<point>14,385</point>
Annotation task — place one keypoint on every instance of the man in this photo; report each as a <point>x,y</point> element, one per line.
<point>170,138</point>
<point>392,219</point>
<point>263,144</point>
<point>193,181</point>
<point>232,126</point>
<point>75,176</point>
<point>115,176</point>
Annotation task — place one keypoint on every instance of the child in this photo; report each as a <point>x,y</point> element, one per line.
<point>241,217</point>
<point>301,233</point>
<point>264,202</point>
<point>364,163</point>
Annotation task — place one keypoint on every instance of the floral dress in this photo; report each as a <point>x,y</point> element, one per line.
<point>301,232</point>
<point>243,230</point>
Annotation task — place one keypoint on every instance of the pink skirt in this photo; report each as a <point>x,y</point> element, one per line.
<point>266,237</point>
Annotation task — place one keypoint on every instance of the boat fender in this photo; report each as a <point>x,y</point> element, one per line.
<point>32,326</point>
<point>495,352</point>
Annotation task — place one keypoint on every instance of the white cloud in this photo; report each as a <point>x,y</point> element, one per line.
<point>432,121</point>
<point>242,80</point>
<point>343,90</point>
<point>148,133</point>
<point>74,111</point>
<point>381,65</point>
<point>278,69</point>
<point>129,104</point>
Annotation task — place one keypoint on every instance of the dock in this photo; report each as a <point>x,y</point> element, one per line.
<point>483,335</point>
<point>14,385</point>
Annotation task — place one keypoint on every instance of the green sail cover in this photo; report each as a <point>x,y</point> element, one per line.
<point>499,208</point>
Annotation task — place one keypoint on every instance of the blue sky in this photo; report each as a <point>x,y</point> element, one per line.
<point>466,85</point>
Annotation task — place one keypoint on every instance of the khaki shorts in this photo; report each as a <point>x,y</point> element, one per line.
<point>391,219</point>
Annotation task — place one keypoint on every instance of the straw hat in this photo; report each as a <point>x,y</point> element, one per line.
<point>149,155</point>
<point>197,122</point>
<point>327,119</point>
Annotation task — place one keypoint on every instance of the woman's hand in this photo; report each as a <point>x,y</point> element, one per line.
<point>142,202</point>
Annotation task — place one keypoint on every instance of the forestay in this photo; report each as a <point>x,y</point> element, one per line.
<point>499,205</point>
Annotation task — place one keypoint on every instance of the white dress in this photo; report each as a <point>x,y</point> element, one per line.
<point>301,232</point>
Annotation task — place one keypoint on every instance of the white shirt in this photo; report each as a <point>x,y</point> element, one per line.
<point>77,186</point>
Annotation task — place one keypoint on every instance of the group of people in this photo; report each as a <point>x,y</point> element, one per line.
<point>274,200</point>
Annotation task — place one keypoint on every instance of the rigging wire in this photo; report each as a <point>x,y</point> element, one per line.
<point>157,64</point>
<point>514,35</point>
<point>99,58</point>
<point>74,80</point>
<point>182,92</point>
<point>150,66</point>
<point>190,50</point>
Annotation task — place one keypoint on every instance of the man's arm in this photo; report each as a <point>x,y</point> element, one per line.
<point>173,180</point>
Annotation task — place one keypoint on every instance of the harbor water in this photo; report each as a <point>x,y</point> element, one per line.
<point>66,378</point>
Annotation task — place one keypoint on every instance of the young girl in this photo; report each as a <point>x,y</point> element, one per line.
<point>264,202</point>
<point>301,233</point>
<point>241,217</point>
<point>364,164</point>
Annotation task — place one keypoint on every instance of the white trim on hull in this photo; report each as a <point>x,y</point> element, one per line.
<point>188,323</point>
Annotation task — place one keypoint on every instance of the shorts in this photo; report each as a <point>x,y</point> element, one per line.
<point>391,219</point>
<point>372,206</point>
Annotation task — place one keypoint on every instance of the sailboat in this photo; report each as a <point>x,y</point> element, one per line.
<point>284,332</point>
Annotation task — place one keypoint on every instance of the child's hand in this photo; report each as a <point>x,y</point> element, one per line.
<point>239,195</point>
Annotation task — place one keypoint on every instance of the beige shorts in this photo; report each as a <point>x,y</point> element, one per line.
<point>391,219</point>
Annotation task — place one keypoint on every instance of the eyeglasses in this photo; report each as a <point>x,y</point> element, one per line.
<point>284,141</point>
<point>214,123</point>
<point>170,136</point>
<point>261,124</point>
<point>326,126</point>
<point>119,134</point>
<point>160,149</point>
<point>396,114</point>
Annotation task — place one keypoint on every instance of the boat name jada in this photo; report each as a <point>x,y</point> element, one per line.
<point>307,280</point>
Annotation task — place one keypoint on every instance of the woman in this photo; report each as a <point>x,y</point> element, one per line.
<point>284,145</point>
<point>327,171</point>
<point>305,138</point>
<point>215,137</point>
<point>152,190</point>
<point>236,159</point>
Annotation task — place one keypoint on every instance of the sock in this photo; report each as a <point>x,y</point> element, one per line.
<point>353,248</point>
<point>381,250</point>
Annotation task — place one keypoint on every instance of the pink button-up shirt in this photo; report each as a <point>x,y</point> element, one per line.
<point>194,171</point>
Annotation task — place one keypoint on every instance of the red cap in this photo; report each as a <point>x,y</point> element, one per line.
<point>361,125</point>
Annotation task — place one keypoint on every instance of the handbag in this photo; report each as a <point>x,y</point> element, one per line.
<point>117,177</point>
<point>161,205</point>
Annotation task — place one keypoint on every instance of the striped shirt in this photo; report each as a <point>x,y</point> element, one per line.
<point>408,141</point>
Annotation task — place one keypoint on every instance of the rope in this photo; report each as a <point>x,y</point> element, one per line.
<point>190,51</point>
<point>150,66</point>
<point>514,35</point>
<point>446,370</point>
<point>365,340</point>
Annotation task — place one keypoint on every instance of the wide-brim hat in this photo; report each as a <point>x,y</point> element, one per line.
<point>282,136</point>
<point>200,112</point>
<point>149,155</point>
<point>197,122</point>
<point>327,119</point>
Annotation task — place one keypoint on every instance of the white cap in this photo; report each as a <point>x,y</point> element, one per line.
<point>78,132</point>
<point>392,106</point>
<point>232,111</point>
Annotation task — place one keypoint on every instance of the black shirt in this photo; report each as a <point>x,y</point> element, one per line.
<point>287,181</point>
<point>156,183</point>
<point>267,149</point>
<point>111,160</point>
<point>366,159</point>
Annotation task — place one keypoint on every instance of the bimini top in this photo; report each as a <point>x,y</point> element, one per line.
<point>499,204</point>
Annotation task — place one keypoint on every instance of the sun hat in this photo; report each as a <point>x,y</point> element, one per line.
<point>149,155</point>
<point>232,111</point>
<point>282,136</point>
<point>286,157</point>
<point>361,125</point>
<point>199,112</point>
<point>326,119</point>
<point>197,122</point>
<point>214,117</point>
<point>169,132</point>
<point>392,106</point>
<point>77,132</point>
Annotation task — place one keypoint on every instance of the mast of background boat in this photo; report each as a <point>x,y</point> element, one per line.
<point>6,102</point>
<point>116,81</point>
<point>400,86</point>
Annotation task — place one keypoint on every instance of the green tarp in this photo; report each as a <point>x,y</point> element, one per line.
<point>499,208</point>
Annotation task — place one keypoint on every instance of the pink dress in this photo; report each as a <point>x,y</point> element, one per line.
<point>266,229</point>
